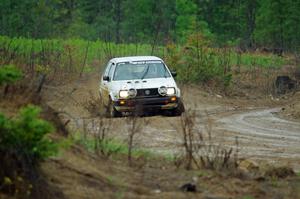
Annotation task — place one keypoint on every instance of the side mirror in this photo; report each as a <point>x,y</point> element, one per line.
<point>174,73</point>
<point>105,78</point>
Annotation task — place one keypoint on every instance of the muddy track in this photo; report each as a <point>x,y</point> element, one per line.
<point>262,135</point>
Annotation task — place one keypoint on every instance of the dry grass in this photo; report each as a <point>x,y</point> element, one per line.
<point>200,149</point>
<point>279,172</point>
<point>257,82</point>
<point>135,126</point>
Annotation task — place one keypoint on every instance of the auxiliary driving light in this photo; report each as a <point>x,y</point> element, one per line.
<point>162,90</point>
<point>173,99</point>
<point>132,92</point>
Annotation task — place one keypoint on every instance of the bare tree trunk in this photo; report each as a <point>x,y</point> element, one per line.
<point>251,18</point>
<point>157,30</point>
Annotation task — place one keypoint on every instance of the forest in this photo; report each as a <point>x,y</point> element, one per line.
<point>249,24</point>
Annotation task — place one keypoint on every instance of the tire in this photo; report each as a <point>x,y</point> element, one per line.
<point>111,111</point>
<point>178,110</point>
<point>103,107</point>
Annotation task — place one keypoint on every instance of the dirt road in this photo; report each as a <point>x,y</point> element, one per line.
<point>265,136</point>
<point>262,135</point>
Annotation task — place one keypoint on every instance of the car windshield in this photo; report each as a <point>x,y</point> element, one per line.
<point>140,70</point>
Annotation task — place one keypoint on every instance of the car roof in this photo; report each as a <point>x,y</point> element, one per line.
<point>135,58</point>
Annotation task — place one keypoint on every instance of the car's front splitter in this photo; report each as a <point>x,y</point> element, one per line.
<point>156,103</point>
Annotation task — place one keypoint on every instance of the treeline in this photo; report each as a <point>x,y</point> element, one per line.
<point>246,23</point>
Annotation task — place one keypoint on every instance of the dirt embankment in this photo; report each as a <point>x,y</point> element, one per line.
<point>80,174</point>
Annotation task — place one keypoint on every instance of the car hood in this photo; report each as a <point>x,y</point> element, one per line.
<point>144,83</point>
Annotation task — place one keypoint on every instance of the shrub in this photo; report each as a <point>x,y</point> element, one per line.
<point>26,135</point>
<point>23,144</point>
<point>9,74</point>
<point>197,62</point>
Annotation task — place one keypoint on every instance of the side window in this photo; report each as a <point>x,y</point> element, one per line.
<point>111,70</point>
<point>107,69</point>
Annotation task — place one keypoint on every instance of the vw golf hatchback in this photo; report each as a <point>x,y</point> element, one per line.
<point>139,84</point>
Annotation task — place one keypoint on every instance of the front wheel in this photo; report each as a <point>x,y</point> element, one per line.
<point>178,110</point>
<point>111,110</point>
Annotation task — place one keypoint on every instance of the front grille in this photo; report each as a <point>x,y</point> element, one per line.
<point>148,92</point>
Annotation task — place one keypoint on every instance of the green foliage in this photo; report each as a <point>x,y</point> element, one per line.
<point>26,135</point>
<point>247,23</point>
<point>199,63</point>
<point>9,74</point>
<point>224,18</point>
<point>186,17</point>
<point>277,24</point>
<point>57,54</point>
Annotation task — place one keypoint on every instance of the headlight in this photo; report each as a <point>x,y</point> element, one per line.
<point>171,91</point>
<point>123,94</point>
<point>162,90</point>
<point>128,93</point>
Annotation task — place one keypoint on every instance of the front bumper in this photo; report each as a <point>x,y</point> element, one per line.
<point>153,103</point>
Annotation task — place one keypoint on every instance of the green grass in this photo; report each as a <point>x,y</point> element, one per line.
<point>261,60</point>
<point>59,57</point>
<point>99,50</point>
<point>25,49</point>
<point>66,57</point>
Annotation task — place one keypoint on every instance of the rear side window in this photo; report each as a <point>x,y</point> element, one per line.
<point>111,70</point>
<point>108,66</point>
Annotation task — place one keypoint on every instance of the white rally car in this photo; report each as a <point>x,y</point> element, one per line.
<point>140,83</point>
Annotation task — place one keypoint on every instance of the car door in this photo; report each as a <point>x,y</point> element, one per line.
<point>104,84</point>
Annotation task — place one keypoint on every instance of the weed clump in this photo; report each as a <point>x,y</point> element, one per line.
<point>201,150</point>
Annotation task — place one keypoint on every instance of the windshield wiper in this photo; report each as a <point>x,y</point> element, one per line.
<point>145,72</point>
